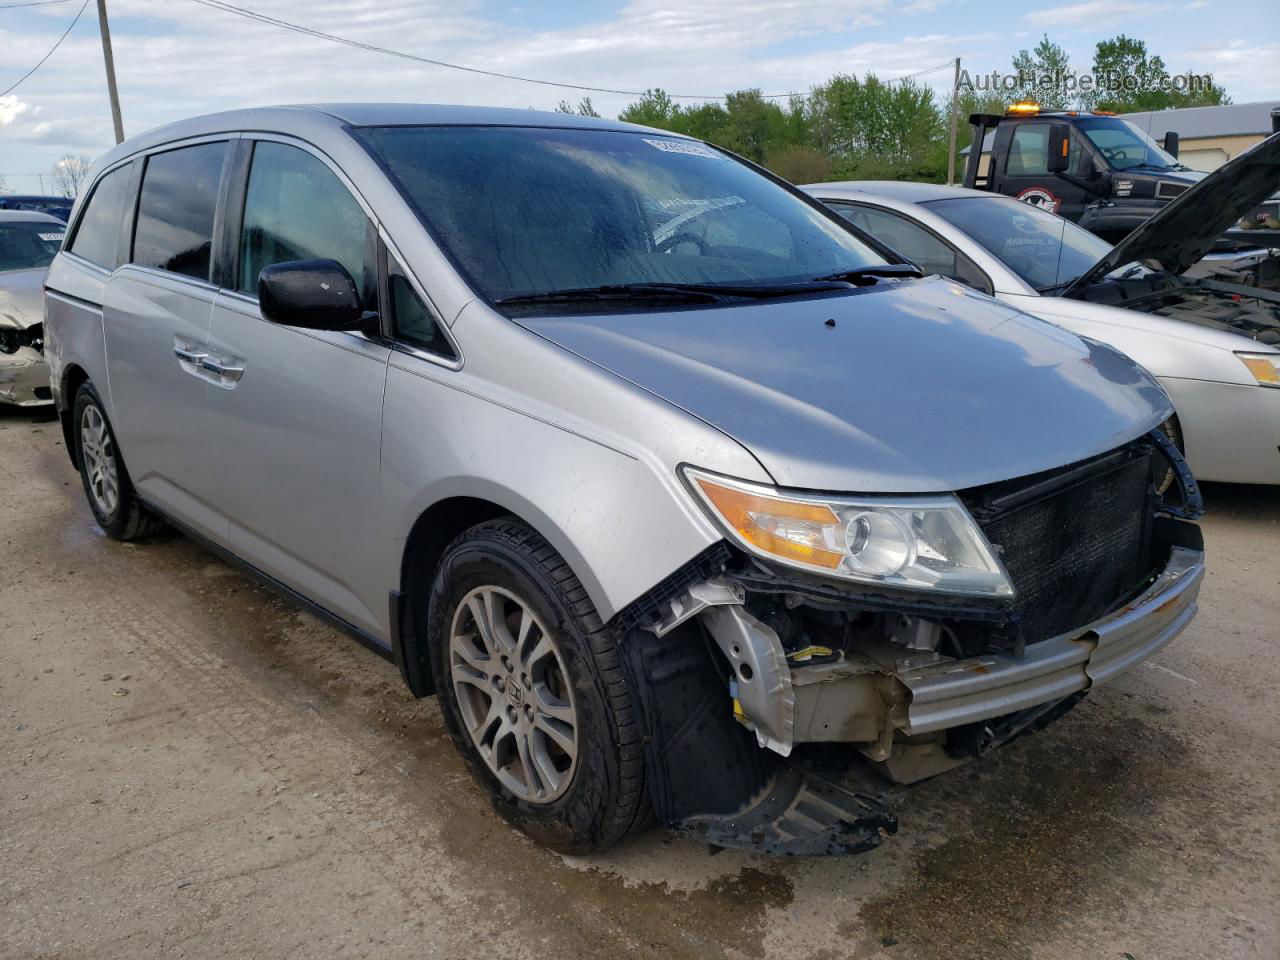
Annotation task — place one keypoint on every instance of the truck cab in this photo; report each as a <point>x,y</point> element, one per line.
<point>1095,169</point>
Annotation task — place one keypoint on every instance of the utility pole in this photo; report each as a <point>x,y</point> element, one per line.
<point>110,71</point>
<point>955,108</point>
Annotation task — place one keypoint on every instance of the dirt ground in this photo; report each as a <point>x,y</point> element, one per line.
<point>190,767</point>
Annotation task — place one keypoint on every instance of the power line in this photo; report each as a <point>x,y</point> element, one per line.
<point>49,54</point>
<point>373,48</point>
<point>31,3</point>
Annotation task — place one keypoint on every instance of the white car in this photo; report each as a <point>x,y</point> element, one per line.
<point>1214,346</point>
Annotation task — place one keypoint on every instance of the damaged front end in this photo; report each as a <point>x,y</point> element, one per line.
<point>781,705</point>
<point>24,374</point>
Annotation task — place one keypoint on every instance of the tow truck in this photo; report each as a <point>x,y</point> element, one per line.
<point>1104,173</point>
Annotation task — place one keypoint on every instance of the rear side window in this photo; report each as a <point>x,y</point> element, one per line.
<point>97,236</point>
<point>295,208</point>
<point>175,211</point>
<point>1029,151</point>
<point>926,251</point>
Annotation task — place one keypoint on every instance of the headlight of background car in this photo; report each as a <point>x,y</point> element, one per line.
<point>1265,367</point>
<point>918,543</point>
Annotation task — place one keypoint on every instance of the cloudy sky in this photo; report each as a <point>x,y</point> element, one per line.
<point>177,58</point>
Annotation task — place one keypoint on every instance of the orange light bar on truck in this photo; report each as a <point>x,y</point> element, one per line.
<point>1023,108</point>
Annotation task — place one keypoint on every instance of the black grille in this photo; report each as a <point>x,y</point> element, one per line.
<point>1075,543</point>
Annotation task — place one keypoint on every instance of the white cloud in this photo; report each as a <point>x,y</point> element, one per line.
<point>180,59</point>
<point>1094,13</point>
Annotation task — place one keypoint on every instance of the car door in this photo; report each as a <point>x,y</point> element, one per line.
<point>295,415</point>
<point>155,316</point>
<point>1025,174</point>
<point>921,246</point>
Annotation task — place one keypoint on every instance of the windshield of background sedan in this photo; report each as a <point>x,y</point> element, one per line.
<point>1043,249</point>
<point>1124,145</point>
<point>25,245</point>
<point>527,211</point>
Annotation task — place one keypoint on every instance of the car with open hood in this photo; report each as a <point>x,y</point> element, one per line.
<point>28,243</point>
<point>654,472</point>
<point>1214,345</point>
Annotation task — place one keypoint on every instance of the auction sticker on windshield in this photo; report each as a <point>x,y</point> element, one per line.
<point>678,146</point>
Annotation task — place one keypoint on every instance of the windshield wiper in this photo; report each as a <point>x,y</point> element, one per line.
<point>617,291</point>
<point>1056,286</point>
<point>859,276</point>
<point>689,292</point>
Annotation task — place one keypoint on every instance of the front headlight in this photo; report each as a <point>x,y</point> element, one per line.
<point>916,543</point>
<point>1265,367</point>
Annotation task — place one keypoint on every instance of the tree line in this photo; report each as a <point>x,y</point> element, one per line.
<point>866,128</point>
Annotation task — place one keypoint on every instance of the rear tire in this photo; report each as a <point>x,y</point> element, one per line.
<point>533,691</point>
<point>107,487</point>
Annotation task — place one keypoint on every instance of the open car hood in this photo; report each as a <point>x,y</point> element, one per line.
<point>1187,228</point>
<point>912,387</point>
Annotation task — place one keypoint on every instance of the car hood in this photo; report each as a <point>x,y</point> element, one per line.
<point>923,386</point>
<point>1187,228</point>
<point>21,298</point>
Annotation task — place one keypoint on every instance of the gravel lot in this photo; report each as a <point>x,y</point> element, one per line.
<point>194,768</point>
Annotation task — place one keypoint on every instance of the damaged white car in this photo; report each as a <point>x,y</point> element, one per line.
<point>28,243</point>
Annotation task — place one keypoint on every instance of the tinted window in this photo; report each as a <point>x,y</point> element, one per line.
<point>297,209</point>
<point>25,244</point>
<point>99,230</point>
<point>1041,248</point>
<point>175,211</point>
<point>1029,150</point>
<point>536,210</point>
<point>928,252</point>
<point>413,321</point>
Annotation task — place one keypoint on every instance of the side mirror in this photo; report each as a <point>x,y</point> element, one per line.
<point>1171,143</point>
<point>1059,147</point>
<point>313,294</point>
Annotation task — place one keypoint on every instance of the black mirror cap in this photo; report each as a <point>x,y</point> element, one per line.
<point>1171,143</point>
<point>1059,147</point>
<point>313,294</point>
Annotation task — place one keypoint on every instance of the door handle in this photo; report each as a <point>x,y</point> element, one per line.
<point>228,370</point>
<point>190,356</point>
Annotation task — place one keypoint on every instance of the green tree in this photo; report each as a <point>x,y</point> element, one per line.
<point>653,109</point>
<point>1144,79</point>
<point>583,109</point>
<point>1045,72</point>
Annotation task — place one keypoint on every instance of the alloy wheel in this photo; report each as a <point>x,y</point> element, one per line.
<point>99,460</point>
<point>513,694</point>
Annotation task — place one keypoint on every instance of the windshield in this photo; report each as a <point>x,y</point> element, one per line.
<point>527,211</point>
<point>1124,145</point>
<point>25,244</point>
<point>1043,249</point>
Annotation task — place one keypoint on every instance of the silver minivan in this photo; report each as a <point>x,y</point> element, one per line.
<point>684,499</point>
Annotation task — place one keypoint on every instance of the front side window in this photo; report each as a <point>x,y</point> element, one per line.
<point>412,320</point>
<point>176,207</point>
<point>1043,249</point>
<point>296,208</point>
<point>1028,151</point>
<point>928,252</point>
<point>529,211</point>
<point>28,244</point>
<point>98,233</point>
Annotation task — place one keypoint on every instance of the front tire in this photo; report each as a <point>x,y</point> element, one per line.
<point>107,487</point>
<point>533,691</point>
